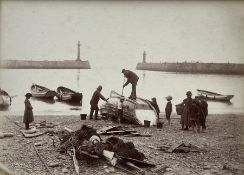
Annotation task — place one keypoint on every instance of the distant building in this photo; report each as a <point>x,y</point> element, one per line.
<point>78,52</point>
<point>144,57</point>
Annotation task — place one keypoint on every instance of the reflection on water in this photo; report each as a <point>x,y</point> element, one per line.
<point>78,78</point>
<point>48,101</point>
<point>4,108</point>
<point>70,103</point>
<point>225,103</point>
<point>150,84</point>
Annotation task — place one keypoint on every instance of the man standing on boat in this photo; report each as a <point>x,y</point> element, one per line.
<point>133,79</point>
<point>94,101</point>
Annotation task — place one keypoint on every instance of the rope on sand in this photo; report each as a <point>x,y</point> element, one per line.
<point>14,122</point>
<point>47,168</point>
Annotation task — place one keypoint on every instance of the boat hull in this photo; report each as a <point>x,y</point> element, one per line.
<point>208,95</point>
<point>133,111</point>
<point>66,94</point>
<point>38,91</point>
<point>4,101</point>
<point>217,98</point>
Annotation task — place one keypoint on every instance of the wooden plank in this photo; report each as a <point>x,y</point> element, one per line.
<point>90,155</point>
<point>106,129</point>
<point>30,135</point>
<point>4,170</point>
<point>138,135</point>
<point>137,162</point>
<point>141,171</point>
<point>77,170</point>
<point>68,129</point>
<point>173,147</point>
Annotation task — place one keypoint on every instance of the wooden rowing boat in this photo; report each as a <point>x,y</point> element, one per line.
<point>5,99</point>
<point>214,96</point>
<point>66,94</point>
<point>42,92</point>
<point>133,111</point>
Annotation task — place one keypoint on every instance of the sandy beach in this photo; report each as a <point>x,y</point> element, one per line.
<point>223,145</point>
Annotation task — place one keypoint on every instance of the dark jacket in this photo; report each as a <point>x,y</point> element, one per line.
<point>186,115</point>
<point>204,106</point>
<point>28,114</point>
<point>155,105</point>
<point>96,97</point>
<point>168,108</point>
<point>131,77</point>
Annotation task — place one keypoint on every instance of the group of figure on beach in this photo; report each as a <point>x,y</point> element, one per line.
<point>193,115</point>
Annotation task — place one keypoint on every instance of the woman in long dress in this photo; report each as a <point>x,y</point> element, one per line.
<point>28,114</point>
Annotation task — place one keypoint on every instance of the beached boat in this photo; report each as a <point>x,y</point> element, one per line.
<point>66,94</point>
<point>42,92</point>
<point>214,96</point>
<point>133,111</point>
<point>5,98</point>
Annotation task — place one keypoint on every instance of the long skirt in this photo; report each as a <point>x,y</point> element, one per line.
<point>28,116</point>
<point>185,117</point>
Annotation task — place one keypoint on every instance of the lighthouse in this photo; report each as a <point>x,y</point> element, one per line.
<point>144,57</point>
<point>78,54</point>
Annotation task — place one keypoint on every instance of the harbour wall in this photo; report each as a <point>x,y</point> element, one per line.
<point>25,64</point>
<point>212,68</point>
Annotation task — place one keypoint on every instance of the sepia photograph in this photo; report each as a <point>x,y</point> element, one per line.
<point>117,87</point>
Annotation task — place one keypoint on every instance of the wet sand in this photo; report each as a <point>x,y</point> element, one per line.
<point>223,143</point>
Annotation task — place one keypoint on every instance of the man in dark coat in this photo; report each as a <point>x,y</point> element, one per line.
<point>28,114</point>
<point>155,105</point>
<point>94,101</point>
<point>133,79</point>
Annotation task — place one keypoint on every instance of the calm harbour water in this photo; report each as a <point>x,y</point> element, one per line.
<point>151,84</point>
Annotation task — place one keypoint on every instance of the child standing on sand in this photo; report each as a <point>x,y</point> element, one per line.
<point>28,114</point>
<point>168,108</point>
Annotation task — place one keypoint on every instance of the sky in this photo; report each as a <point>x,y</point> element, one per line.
<point>115,33</point>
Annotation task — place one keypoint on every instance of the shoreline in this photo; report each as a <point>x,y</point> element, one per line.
<point>161,115</point>
<point>223,142</point>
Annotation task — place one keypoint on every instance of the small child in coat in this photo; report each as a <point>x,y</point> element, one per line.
<point>168,108</point>
<point>120,109</point>
<point>28,114</point>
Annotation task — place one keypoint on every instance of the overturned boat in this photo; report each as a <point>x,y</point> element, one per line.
<point>5,99</point>
<point>214,96</point>
<point>66,94</point>
<point>42,92</point>
<point>133,111</point>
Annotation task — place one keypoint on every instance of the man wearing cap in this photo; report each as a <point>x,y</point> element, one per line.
<point>133,79</point>
<point>94,101</point>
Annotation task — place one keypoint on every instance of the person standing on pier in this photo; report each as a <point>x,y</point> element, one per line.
<point>28,114</point>
<point>133,79</point>
<point>94,101</point>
